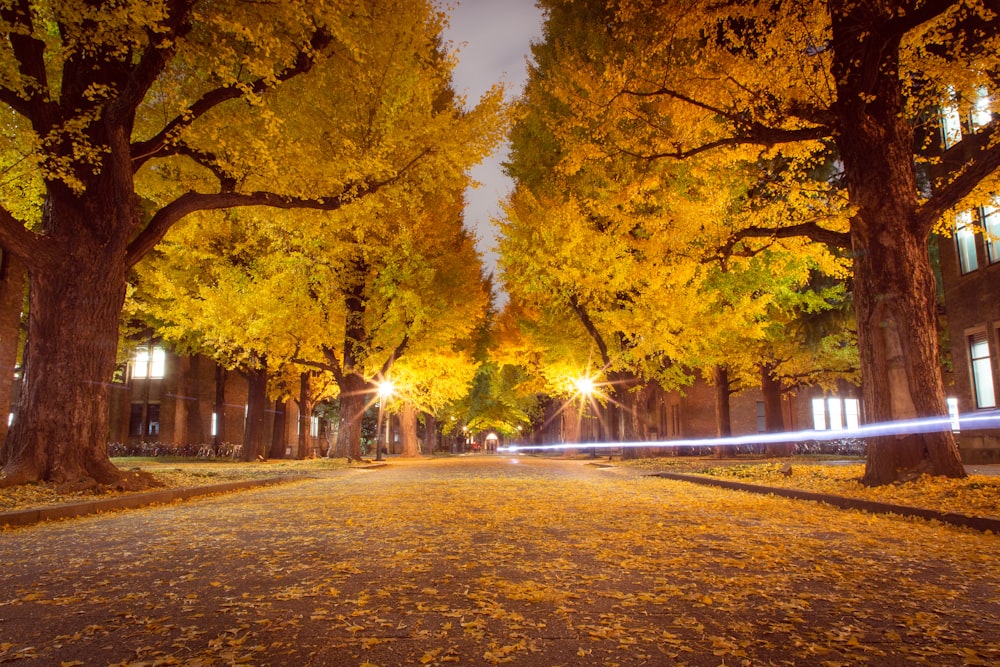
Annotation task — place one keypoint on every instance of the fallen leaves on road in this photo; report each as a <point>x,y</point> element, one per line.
<point>183,473</point>
<point>976,494</point>
<point>489,562</point>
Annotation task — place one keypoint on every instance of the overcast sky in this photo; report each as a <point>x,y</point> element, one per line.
<point>493,39</point>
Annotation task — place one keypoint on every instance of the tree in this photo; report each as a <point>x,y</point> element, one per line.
<point>642,255</point>
<point>139,114</point>
<point>850,81</point>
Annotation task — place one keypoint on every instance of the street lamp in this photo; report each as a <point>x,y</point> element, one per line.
<point>385,390</point>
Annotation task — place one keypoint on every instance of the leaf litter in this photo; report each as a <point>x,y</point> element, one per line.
<point>436,564</point>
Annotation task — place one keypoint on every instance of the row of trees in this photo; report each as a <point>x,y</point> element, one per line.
<point>275,184</point>
<point>724,188</point>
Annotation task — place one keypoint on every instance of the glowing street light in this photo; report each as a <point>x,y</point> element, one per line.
<point>585,386</point>
<point>385,391</point>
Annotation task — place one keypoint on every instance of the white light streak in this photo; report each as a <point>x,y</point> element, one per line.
<point>928,425</point>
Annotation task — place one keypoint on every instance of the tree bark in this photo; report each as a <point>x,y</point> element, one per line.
<point>774,421</point>
<point>60,434</point>
<point>306,404</point>
<point>12,281</point>
<point>408,430</point>
<point>430,433</point>
<point>278,431</point>
<point>253,434</point>
<point>723,415</point>
<point>220,408</point>
<point>354,395</point>
<point>894,287</point>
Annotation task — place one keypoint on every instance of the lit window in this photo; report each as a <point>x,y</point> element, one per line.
<point>149,362</point>
<point>836,418</point>
<point>965,239</point>
<point>819,414</point>
<point>981,114</point>
<point>951,126</point>
<point>852,413</point>
<point>314,427</point>
<point>953,414</point>
<point>991,224</point>
<point>982,372</point>
<point>215,424</point>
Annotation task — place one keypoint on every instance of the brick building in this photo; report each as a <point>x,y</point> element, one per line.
<point>171,399</point>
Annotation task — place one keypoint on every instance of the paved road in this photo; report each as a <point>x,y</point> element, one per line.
<point>485,561</point>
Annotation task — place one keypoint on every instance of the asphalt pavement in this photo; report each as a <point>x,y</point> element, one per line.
<point>496,560</point>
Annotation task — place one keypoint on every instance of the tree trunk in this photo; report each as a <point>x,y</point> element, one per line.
<point>220,408</point>
<point>723,415</point>
<point>253,438</point>
<point>430,433</point>
<point>278,431</point>
<point>408,430</point>
<point>894,287</point>
<point>12,277</point>
<point>354,395</point>
<point>60,434</point>
<point>570,427</point>
<point>306,405</point>
<point>774,421</point>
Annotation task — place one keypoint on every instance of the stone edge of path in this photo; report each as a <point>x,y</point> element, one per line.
<point>981,523</point>
<point>27,517</point>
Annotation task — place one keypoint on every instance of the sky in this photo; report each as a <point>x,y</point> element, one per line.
<point>493,39</point>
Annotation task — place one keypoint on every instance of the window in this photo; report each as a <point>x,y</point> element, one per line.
<point>953,414</point>
<point>149,362</point>
<point>819,414</point>
<point>835,413</point>
<point>135,420</point>
<point>761,420</point>
<point>951,126</point>
<point>981,115</point>
<point>314,427</point>
<point>153,419</point>
<point>852,412</point>
<point>991,224</point>
<point>965,239</point>
<point>215,424</point>
<point>982,370</point>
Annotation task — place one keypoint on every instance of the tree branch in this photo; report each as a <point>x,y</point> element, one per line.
<point>195,201</point>
<point>809,230</point>
<point>15,239</point>
<point>163,45</point>
<point>588,324</point>
<point>143,151</point>
<point>30,55</point>
<point>974,158</point>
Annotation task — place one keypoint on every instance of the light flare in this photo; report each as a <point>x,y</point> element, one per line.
<point>903,427</point>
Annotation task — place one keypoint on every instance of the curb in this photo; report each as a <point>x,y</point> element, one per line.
<point>28,517</point>
<point>981,523</point>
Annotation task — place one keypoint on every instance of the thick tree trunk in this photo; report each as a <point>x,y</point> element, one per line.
<point>894,288</point>
<point>253,434</point>
<point>12,278</point>
<point>354,395</point>
<point>570,427</point>
<point>220,408</point>
<point>723,415</point>
<point>278,431</point>
<point>774,421</point>
<point>408,430</point>
<point>306,405</point>
<point>430,433</point>
<point>60,434</point>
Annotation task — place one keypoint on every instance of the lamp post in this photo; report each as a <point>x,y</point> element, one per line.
<point>585,387</point>
<point>385,389</point>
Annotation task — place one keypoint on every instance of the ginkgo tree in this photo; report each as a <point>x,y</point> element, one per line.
<point>136,114</point>
<point>642,255</point>
<point>856,83</point>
